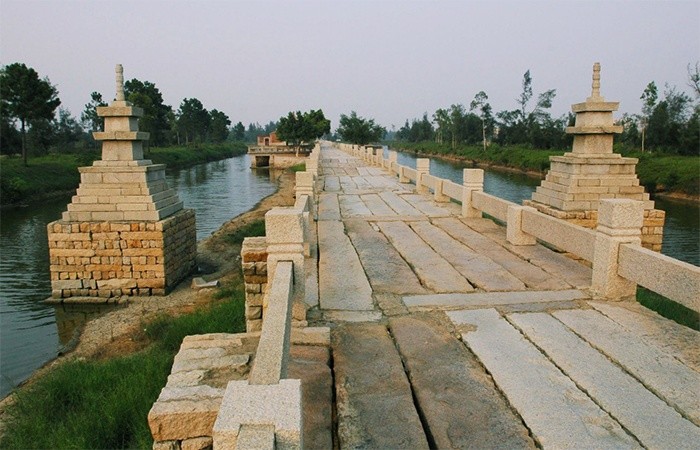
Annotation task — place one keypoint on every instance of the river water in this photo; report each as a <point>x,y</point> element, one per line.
<point>32,333</point>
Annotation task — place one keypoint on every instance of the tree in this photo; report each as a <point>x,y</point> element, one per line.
<point>649,97</point>
<point>89,118</point>
<point>299,129</point>
<point>238,132</point>
<point>218,129</point>
<point>442,121</point>
<point>694,79</point>
<point>66,130</point>
<point>480,102</point>
<point>193,120</point>
<point>146,95</point>
<point>27,98</point>
<point>358,130</point>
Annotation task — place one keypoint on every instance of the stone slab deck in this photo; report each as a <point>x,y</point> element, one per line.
<point>443,335</point>
<point>471,342</point>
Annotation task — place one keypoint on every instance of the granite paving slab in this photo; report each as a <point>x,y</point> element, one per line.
<point>385,268</point>
<point>681,342</point>
<point>342,280</point>
<point>531,275</point>
<point>373,396</point>
<point>488,299</point>
<point>654,423</point>
<point>558,413</point>
<point>670,379</point>
<point>434,272</point>
<point>458,401</point>
<point>377,206</point>
<point>481,271</point>
<point>328,207</point>
<point>398,204</point>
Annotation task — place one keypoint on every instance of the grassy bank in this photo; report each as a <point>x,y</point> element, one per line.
<point>658,173</point>
<point>51,174</point>
<point>105,403</point>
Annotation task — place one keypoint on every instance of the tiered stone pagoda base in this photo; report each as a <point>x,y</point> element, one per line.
<point>116,258</point>
<point>576,183</point>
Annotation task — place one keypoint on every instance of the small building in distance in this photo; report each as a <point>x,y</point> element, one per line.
<point>271,152</point>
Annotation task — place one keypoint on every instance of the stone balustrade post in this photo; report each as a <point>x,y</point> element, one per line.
<point>438,195</point>
<point>304,184</point>
<point>473,181</point>
<point>393,159</point>
<point>619,222</point>
<point>284,232</point>
<point>422,168</point>
<point>402,175</point>
<point>514,226</point>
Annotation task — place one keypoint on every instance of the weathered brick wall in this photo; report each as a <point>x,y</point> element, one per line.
<point>108,259</point>
<point>254,262</point>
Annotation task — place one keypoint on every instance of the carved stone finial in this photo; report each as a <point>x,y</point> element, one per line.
<point>120,83</point>
<point>595,92</point>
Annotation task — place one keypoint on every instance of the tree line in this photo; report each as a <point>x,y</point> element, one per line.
<point>668,125</point>
<point>33,122</point>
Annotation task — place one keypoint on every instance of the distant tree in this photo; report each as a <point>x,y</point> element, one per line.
<point>525,96</point>
<point>358,130</point>
<point>27,98</point>
<point>89,118</point>
<point>649,97</point>
<point>694,79</point>
<point>146,95</point>
<point>238,132</point>
<point>218,128</point>
<point>481,104</point>
<point>193,120</point>
<point>668,121</point>
<point>442,120</point>
<point>67,132</point>
<point>300,129</point>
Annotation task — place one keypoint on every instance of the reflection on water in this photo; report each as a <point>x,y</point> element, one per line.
<point>681,230</point>
<point>31,333</point>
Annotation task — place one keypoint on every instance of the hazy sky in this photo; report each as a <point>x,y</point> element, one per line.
<point>389,60</point>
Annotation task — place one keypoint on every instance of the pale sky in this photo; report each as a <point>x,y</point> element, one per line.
<point>388,60</point>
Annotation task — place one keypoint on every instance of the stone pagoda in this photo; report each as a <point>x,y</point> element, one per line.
<point>578,180</point>
<point>125,232</point>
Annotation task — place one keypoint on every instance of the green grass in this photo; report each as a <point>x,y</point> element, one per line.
<point>105,404</point>
<point>668,308</point>
<point>58,173</point>
<point>670,173</point>
<point>298,167</point>
<point>256,228</point>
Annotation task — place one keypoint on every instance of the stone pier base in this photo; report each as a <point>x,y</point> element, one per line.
<point>652,228</point>
<point>108,259</point>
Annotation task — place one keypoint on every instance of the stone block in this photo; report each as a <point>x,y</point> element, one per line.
<point>277,405</point>
<point>514,232</point>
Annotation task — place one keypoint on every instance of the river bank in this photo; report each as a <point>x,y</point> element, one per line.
<point>669,177</point>
<point>125,331</point>
<point>53,176</point>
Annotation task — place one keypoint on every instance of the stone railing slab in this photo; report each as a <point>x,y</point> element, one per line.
<point>564,235</point>
<point>667,276</point>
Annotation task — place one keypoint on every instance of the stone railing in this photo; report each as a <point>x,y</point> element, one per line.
<point>265,149</point>
<point>265,411</point>
<point>619,262</point>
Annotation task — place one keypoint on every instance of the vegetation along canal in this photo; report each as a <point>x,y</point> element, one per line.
<point>32,333</point>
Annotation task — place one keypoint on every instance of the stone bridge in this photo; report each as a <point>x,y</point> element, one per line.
<point>386,309</point>
<point>429,329</point>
